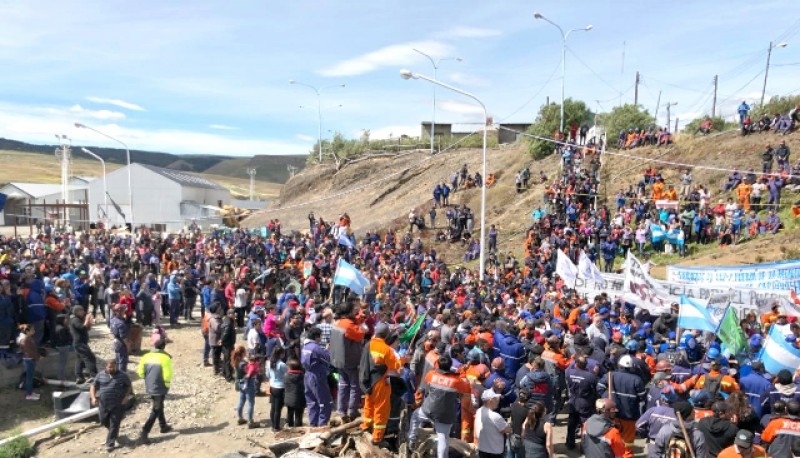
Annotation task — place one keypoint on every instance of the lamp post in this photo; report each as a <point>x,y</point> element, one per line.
<point>408,74</point>
<point>105,185</point>
<point>670,105</point>
<point>435,64</point>
<point>564,37</point>
<point>766,70</point>
<point>128,157</point>
<point>319,109</point>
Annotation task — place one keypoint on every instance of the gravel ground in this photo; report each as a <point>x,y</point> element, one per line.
<point>200,406</point>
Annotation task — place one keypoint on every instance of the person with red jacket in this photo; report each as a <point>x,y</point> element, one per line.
<point>346,340</point>
<point>601,438</point>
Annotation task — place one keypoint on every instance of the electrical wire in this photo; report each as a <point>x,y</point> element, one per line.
<point>738,91</point>
<point>522,107</point>
<point>592,71</point>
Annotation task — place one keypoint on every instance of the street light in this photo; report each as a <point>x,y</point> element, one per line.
<point>435,64</point>
<point>105,187</point>
<point>319,108</point>
<point>670,105</point>
<point>564,37</point>
<point>766,71</point>
<point>408,74</point>
<point>128,157</point>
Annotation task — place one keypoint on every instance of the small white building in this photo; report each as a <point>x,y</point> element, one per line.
<point>33,203</point>
<point>163,199</point>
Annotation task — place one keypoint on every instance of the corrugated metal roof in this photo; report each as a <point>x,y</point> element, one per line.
<point>38,190</point>
<point>184,178</point>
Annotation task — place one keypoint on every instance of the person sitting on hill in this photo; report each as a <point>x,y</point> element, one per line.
<point>733,181</point>
<point>671,193</point>
<point>705,126</point>
<point>664,137</point>
<point>658,190</point>
<point>490,179</point>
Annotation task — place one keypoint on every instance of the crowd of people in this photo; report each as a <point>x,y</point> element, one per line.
<point>779,123</point>
<point>495,358</point>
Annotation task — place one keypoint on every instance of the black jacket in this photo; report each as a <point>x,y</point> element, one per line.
<point>294,390</point>
<point>228,332</point>
<point>719,434</point>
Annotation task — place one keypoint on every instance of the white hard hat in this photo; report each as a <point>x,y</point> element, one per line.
<point>625,362</point>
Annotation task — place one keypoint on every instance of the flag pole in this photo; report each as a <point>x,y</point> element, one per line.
<point>685,434</point>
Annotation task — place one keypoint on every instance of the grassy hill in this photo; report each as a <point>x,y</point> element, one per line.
<point>271,168</point>
<point>40,168</point>
<point>268,168</point>
<point>379,192</point>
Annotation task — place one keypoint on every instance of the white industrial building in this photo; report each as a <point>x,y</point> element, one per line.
<point>163,199</point>
<point>32,203</point>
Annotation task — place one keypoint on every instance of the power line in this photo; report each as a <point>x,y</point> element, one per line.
<point>550,78</point>
<point>737,91</point>
<point>592,71</point>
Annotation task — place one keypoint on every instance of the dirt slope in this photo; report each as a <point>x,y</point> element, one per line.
<point>380,192</point>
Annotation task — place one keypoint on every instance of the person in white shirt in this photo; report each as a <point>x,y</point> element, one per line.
<point>490,427</point>
<point>253,337</point>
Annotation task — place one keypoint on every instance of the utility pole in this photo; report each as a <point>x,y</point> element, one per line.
<point>669,106</point>
<point>658,105</point>
<point>714,103</point>
<point>64,154</point>
<point>252,172</point>
<point>676,125</point>
<point>636,90</point>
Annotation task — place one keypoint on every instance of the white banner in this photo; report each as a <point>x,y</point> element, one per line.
<point>780,276</point>
<point>640,289</point>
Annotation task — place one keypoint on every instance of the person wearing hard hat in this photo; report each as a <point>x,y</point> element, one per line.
<point>629,393</point>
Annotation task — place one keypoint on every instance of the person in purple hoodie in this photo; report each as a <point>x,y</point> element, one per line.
<point>316,362</point>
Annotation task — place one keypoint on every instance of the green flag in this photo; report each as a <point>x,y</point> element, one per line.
<point>412,331</point>
<point>730,333</point>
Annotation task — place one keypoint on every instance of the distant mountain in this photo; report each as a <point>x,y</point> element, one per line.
<point>269,168</point>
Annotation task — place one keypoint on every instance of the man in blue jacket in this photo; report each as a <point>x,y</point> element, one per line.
<point>508,347</point>
<point>175,296</point>
<point>757,387</point>
<point>37,312</point>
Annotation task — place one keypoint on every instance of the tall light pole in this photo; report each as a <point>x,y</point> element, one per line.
<point>435,64</point>
<point>670,105</point>
<point>564,37</point>
<point>252,172</point>
<point>128,157</point>
<point>766,70</point>
<point>319,108</point>
<point>408,74</point>
<point>105,184</point>
<point>64,154</point>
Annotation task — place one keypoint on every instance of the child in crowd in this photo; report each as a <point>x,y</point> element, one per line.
<point>294,392</point>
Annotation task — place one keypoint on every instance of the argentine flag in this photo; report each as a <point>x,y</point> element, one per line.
<point>348,276</point>
<point>694,315</point>
<point>779,354</point>
<point>344,240</point>
<point>657,233</point>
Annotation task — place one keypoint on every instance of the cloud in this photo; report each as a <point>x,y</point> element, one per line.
<point>94,114</point>
<point>393,55</point>
<point>471,32</point>
<point>394,131</point>
<point>459,107</point>
<point>468,80</point>
<point>222,127</point>
<point>305,138</point>
<point>37,125</point>
<point>116,103</point>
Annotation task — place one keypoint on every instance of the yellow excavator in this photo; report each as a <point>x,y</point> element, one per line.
<point>232,216</point>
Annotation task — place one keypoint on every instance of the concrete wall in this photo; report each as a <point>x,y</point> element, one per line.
<point>441,130</point>
<point>47,366</point>
<point>508,136</point>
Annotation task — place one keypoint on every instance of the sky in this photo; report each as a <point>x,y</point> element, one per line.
<point>211,77</point>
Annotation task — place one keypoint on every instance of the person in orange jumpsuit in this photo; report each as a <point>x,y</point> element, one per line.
<point>377,402</point>
<point>658,190</point>
<point>671,193</point>
<point>743,193</point>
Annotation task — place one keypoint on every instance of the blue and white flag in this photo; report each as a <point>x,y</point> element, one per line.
<point>779,354</point>
<point>694,315</point>
<point>349,276</point>
<point>657,233</point>
<point>674,237</point>
<point>344,240</point>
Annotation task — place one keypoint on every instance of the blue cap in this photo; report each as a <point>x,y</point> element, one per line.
<point>632,345</point>
<point>713,353</point>
<point>640,332</point>
<point>791,339</point>
<point>603,311</point>
<point>538,314</point>
<point>613,313</point>
<point>756,340</point>
<point>584,316</point>
<point>647,325</point>
<point>671,335</point>
<point>49,288</point>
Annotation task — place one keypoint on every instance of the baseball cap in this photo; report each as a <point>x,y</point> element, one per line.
<point>744,439</point>
<point>756,340</point>
<point>488,395</point>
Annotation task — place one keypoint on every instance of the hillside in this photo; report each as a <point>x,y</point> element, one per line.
<point>39,168</point>
<point>271,169</point>
<point>380,192</point>
<point>268,168</point>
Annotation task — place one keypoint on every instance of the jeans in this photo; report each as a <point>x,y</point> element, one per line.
<point>157,412</point>
<point>442,431</point>
<point>85,359</point>
<point>174,310</point>
<point>216,358</point>
<point>511,453</point>
<point>188,306</point>
<point>63,355</point>
<point>249,394</point>
<point>206,349</point>
<point>30,368</point>
<point>294,417</point>
<point>111,417</point>
<point>275,407</point>
<point>349,395</point>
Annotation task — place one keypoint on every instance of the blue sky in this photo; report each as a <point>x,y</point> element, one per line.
<point>213,77</point>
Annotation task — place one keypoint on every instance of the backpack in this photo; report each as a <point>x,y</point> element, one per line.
<point>712,386</point>
<point>677,448</point>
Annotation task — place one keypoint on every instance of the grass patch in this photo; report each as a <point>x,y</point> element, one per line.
<point>59,431</point>
<point>19,447</point>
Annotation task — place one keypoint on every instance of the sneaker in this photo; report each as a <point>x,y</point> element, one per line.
<point>166,429</point>
<point>143,440</point>
<point>206,364</point>
<point>241,421</point>
<point>80,381</point>
<point>252,425</point>
<point>32,397</point>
